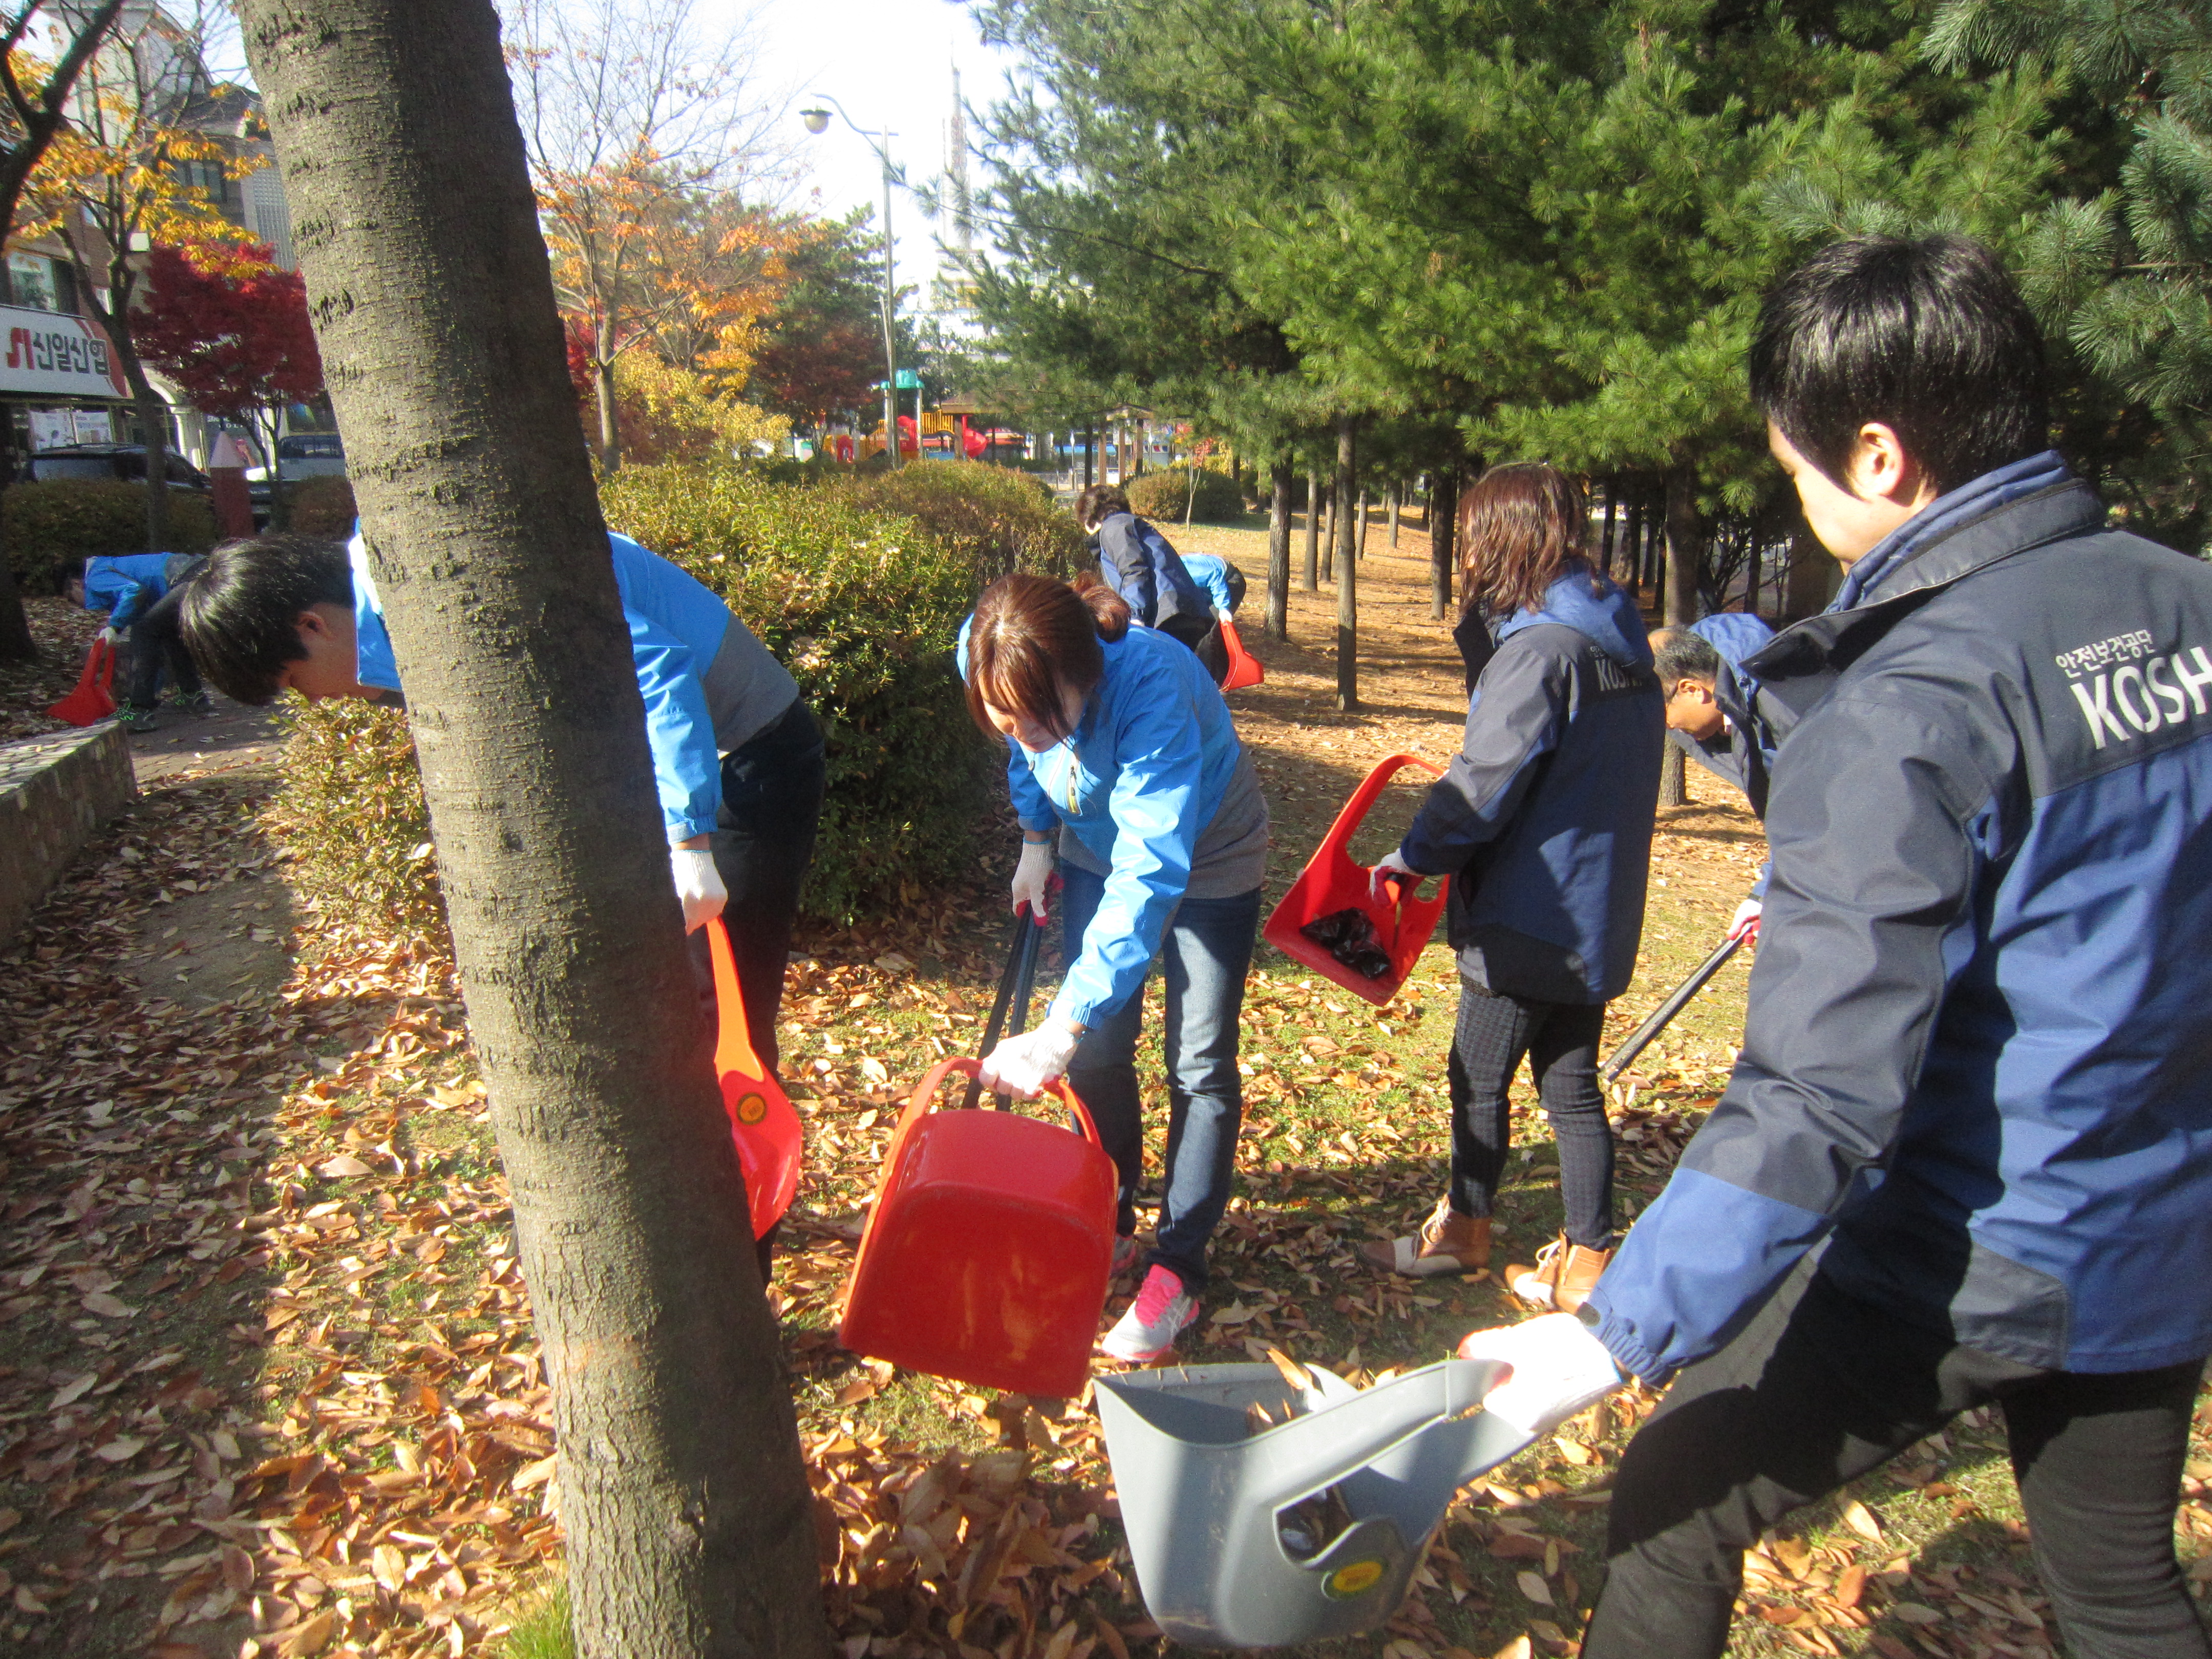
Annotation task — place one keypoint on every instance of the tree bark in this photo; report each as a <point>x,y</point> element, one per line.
<point>603,385</point>
<point>1279,550</point>
<point>1685,550</point>
<point>1328,530</point>
<point>153,412</point>
<point>1443,539</point>
<point>1396,492</point>
<point>1347,570</point>
<point>1360,546</point>
<point>1312,582</point>
<point>688,1520</point>
<point>1635,547</point>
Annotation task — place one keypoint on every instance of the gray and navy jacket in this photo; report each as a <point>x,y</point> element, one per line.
<point>1743,751</point>
<point>1142,566</point>
<point>1979,1052</point>
<point>1543,820</point>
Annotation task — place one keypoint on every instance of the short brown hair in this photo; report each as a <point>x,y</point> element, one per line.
<point>1521,528</point>
<point>1030,637</point>
<point>1099,503</point>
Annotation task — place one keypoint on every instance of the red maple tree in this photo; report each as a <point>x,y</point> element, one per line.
<point>230,327</point>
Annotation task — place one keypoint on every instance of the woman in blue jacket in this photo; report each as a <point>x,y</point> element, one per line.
<point>1543,822</point>
<point>1121,751</point>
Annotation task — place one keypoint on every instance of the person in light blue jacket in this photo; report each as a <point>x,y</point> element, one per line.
<point>1121,751</point>
<point>737,754</point>
<point>140,593</point>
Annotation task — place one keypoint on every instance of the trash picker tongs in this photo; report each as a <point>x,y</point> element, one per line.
<point>1641,1038</point>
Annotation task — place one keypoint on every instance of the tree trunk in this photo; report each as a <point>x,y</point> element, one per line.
<point>1090,455</point>
<point>1396,492</point>
<point>1360,546</point>
<point>1312,582</point>
<point>1685,550</point>
<point>1605,536</point>
<point>1442,515</point>
<point>153,412</point>
<point>1636,547</point>
<point>1279,550</point>
<point>603,384</point>
<point>1347,570</point>
<point>16,644</point>
<point>1328,532</point>
<point>691,1527</point>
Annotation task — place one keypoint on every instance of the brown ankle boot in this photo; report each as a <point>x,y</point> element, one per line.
<point>1563,1277</point>
<point>1449,1243</point>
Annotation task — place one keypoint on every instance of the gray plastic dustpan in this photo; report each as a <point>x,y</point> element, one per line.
<point>1201,1493</point>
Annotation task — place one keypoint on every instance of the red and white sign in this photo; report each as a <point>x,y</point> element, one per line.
<point>57,353</point>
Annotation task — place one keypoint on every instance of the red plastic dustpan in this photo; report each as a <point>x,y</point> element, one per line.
<point>94,700</point>
<point>1244,668</point>
<point>987,1251</point>
<point>762,1121</point>
<point>1332,882</point>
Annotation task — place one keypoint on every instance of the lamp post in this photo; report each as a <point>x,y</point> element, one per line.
<point>818,122</point>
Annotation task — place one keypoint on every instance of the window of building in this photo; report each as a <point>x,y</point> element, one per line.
<point>31,277</point>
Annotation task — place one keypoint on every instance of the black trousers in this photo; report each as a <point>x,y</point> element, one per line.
<point>763,843</point>
<point>1561,1039</point>
<point>1821,1388</point>
<point>157,641</point>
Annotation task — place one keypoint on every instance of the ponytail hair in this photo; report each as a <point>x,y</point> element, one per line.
<point>1033,639</point>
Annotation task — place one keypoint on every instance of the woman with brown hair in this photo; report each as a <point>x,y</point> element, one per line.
<point>1543,822</point>
<point>1121,751</point>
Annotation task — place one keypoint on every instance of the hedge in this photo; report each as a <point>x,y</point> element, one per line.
<point>1165,497</point>
<point>52,528</point>
<point>320,506</point>
<point>997,519</point>
<point>861,604</point>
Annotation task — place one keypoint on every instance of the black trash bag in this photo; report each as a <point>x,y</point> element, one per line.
<point>1349,935</point>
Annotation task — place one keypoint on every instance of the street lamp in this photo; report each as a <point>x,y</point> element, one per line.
<point>818,122</point>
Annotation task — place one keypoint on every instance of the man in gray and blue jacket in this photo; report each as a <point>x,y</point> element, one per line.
<point>1966,1155</point>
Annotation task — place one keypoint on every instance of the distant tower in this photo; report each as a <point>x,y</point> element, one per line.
<point>956,173</point>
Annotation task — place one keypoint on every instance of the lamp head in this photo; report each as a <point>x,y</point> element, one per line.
<point>817,120</point>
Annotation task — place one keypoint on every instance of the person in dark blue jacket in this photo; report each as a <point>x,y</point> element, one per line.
<point>738,758</point>
<point>1717,716</point>
<point>1121,752</point>
<point>1543,822</point>
<point>1142,567</point>
<point>1978,1060</point>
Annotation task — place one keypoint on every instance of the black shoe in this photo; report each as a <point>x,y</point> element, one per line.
<point>194,702</point>
<point>136,719</point>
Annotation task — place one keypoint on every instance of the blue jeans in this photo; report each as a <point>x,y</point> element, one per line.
<point>1206,951</point>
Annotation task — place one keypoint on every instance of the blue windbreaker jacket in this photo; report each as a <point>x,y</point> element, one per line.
<point>1212,575</point>
<point>127,585</point>
<point>1978,1050</point>
<point>1138,782</point>
<point>1142,566</point>
<point>1543,820</point>
<point>676,628</point>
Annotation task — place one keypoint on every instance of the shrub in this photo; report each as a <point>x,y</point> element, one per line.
<point>997,519</point>
<point>862,606</point>
<point>1164,496</point>
<point>350,812</point>
<point>52,528</point>
<point>320,507</point>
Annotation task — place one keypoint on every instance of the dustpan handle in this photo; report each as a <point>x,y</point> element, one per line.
<point>1370,789</point>
<point>1321,1448</point>
<point>925,1097</point>
<point>733,1039</point>
<point>1014,981</point>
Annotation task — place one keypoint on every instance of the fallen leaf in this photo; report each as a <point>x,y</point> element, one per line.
<point>107,1307</point>
<point>1914,1612</point>
<point>1851,1584</point>
<point>70,1392</point>
<point>1518,1648</point>
<point>1533,1586</point>
<point>119,1451</point>
<point>345,1166</point>
<point>1860,1519</point>
<point>308,1636</point>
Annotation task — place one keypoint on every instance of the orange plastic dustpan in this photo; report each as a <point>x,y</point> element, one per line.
<point>762,1119</point>
<point>1244,668</point>
<point>1332,882</point>
<point>988,1248</point>
<point>94,700</point>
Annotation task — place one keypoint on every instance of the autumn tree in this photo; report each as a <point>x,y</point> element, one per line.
<point>34,97</point>
<point>229,326</point>
<point>133,168</point>
<point>630,110</point>
<point>820,344</point>
<point>689,1523</point>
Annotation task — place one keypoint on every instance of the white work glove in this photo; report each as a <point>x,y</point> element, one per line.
<point>1033,877</point>
<point>698,884</point>
<point>1559,1369</point>
<point>1392,864</point>
<point>110,636</point>
<point>1744,924</point>
<point>1024,1065</point>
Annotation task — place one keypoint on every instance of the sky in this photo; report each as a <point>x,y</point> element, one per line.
<point>889,64</point>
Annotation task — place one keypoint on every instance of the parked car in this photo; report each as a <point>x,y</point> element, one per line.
<point>123,461</point>
<point>310,455</point>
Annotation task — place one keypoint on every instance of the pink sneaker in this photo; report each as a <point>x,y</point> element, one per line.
<point>1147,1332</point>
